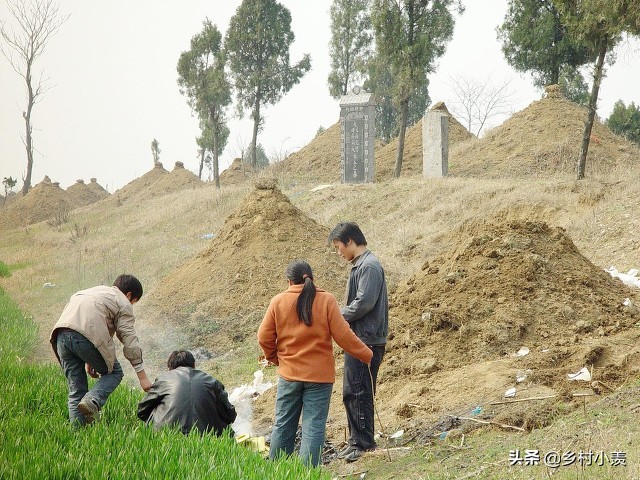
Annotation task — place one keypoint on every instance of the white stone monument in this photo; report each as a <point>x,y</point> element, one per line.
<point>435,144</point>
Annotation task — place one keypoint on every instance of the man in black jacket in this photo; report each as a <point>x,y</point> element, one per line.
<point>187,398</point>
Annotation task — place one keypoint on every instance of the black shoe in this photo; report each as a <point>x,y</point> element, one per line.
<point>352,456</point>
<point>346,451</point>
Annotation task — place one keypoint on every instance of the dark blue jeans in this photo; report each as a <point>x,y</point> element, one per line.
<point>75,351</point>
<point>310,399</point>
<point>357,396</point>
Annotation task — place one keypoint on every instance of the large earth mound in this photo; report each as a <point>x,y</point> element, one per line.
<point>224,291</point>
<point>82,194</point>
<point>236,173</point>
<point>385,157</point>
<point>544,137</point>
<point>43,202</point>
<point>503,285</point>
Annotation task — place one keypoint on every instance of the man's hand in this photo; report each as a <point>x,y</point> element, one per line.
<point>145,383</point>
<point>91,371</point>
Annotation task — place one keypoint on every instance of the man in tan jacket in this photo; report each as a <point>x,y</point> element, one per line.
<point>82,340</point>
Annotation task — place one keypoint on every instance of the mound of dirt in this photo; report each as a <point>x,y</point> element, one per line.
<point>318,161</point>
<point>140,187</point>
<point>457,324</point>
<point>236,173</point>
<point>544,137</point>
<point>385,157</point>
<point>98,189</point>
<point>82,194</point>
<point>178,179</point>
<point>221,294</point>
<point>43,202</point>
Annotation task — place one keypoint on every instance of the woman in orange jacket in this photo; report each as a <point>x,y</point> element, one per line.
<point>296,334</point>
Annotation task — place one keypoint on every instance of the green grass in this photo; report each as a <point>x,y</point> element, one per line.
<point>38,441</point>
<point>4,269</point>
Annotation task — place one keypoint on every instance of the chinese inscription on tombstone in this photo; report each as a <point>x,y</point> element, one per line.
<point>357,126</point>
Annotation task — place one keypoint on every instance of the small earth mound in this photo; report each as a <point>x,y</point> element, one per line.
<point>385,157</point>
<point>178,179</point>
<point>43,202</point>
<point>544,137</point>
<point>223,292</point>
<point>99,190</point>
<point>238,172</point>
<point>140,187</point>
<point>82,194</point>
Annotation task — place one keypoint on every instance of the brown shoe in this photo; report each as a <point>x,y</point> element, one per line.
<point>89,409</point>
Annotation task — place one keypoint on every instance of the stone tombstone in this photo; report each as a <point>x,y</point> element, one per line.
<point>435,144</point>
<point>357,128</point>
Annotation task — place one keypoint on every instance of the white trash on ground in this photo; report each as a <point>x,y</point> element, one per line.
<point>242,399</point>
<point>630,278</point>
<point>582,374</point>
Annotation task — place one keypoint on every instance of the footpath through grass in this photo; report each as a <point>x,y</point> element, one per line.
<point>36,440</point>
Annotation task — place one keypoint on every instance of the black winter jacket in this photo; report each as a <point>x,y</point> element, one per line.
<point>187,398</point>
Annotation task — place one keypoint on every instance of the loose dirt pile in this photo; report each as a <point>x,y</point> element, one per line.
<point>385,158</point>
<point>544,137</point>
<point>238,172</point>
<point>44,201</point>
<point>82,194</point>
<point>220,296</point>
<point>456,325</point>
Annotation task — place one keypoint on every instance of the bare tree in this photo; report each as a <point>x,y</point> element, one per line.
<point>478,101</point>
<point>36,22</point>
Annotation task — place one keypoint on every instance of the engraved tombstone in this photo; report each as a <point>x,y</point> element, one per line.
<point>435,144</point>
<point>357,128</point>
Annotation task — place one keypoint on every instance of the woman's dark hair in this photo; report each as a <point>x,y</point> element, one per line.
<point>129,284</point>
<point>346,231</point>
<point>299,272</point>
<point>181,358</point>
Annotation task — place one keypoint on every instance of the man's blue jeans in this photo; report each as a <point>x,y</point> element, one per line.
<point>75,351</point>
<point>358,388</point>
<point>310,399</point>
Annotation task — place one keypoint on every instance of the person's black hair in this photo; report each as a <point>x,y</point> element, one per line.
<point>345,231</point>
<point>129,284</point>
<point>181,358</point>
<point>299,272</point>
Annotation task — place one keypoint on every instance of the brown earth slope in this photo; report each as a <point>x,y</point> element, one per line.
<point>44,201</point>
<point>544,137</point>
<point>82,194</point>
<point>237,172</point>
<point>226,288</point>
<point>318,161</point>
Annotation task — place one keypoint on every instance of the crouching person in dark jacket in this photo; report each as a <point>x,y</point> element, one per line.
<point>187,398</point>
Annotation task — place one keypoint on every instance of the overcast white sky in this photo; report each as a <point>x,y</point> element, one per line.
<point>113,71</point>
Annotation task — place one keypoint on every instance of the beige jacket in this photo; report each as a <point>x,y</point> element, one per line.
<point>98,313</point>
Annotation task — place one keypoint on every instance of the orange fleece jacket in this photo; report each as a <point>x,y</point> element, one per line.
<point>305,353</point>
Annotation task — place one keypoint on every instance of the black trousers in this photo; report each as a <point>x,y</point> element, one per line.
<point>358,388</point>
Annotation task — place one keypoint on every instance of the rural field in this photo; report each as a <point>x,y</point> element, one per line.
<point>508,251</point>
